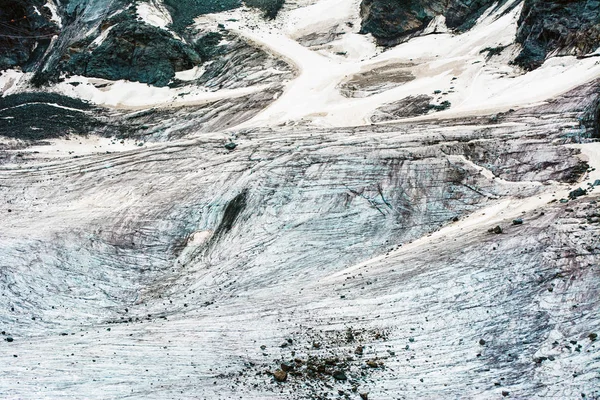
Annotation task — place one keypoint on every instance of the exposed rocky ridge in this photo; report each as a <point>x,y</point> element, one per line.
<point>391,21</point>
<point>105,39</point>
<point>133,51</point>
<point>184,11</point>
<point>558,27</point>
<point>26,31</point>
<point>544,27</point>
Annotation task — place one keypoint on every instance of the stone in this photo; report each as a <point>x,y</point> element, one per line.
<point>497,230</point>
<point>339,375</point>
<point>577,193</point>
<point>286,367</point>
<point>280,375</point>
<point>133,51</point>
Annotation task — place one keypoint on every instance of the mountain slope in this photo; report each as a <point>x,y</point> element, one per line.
<point>269,202</point>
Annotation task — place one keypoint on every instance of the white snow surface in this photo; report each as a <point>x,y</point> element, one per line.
<point>102,230</point>
<point>135,95</point>
<point>10,80</point>
<point>154,13</point>
<point>51,5</point>
<point>481,86</point>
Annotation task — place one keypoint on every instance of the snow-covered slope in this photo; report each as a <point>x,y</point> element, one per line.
<point>283,209</point>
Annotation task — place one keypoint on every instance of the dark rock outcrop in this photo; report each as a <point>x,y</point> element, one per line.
<point>269,7</point>
<point>134,51</point>
<point>35,116</point>
<point>26,30</point>
<point>562,26</point>
<point>391,21</point>
<point>545,27</point>
<point>183,12</point>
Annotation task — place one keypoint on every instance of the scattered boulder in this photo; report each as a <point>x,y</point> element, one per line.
<point>286,367</point>
<point>593,336</point>
<point>497,230</point>
<point>577,193</point>
<point>339,375</point>
<point>230,146</point>
<point>517,221</point>
<point>280,375</point>
<point>444,105</point>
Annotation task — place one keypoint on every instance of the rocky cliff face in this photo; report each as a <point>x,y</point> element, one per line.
<point>26,31</point>
<point>558,27</point>
<point>106,39</point>
<point>391,21</point>
<point>134,51</point>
